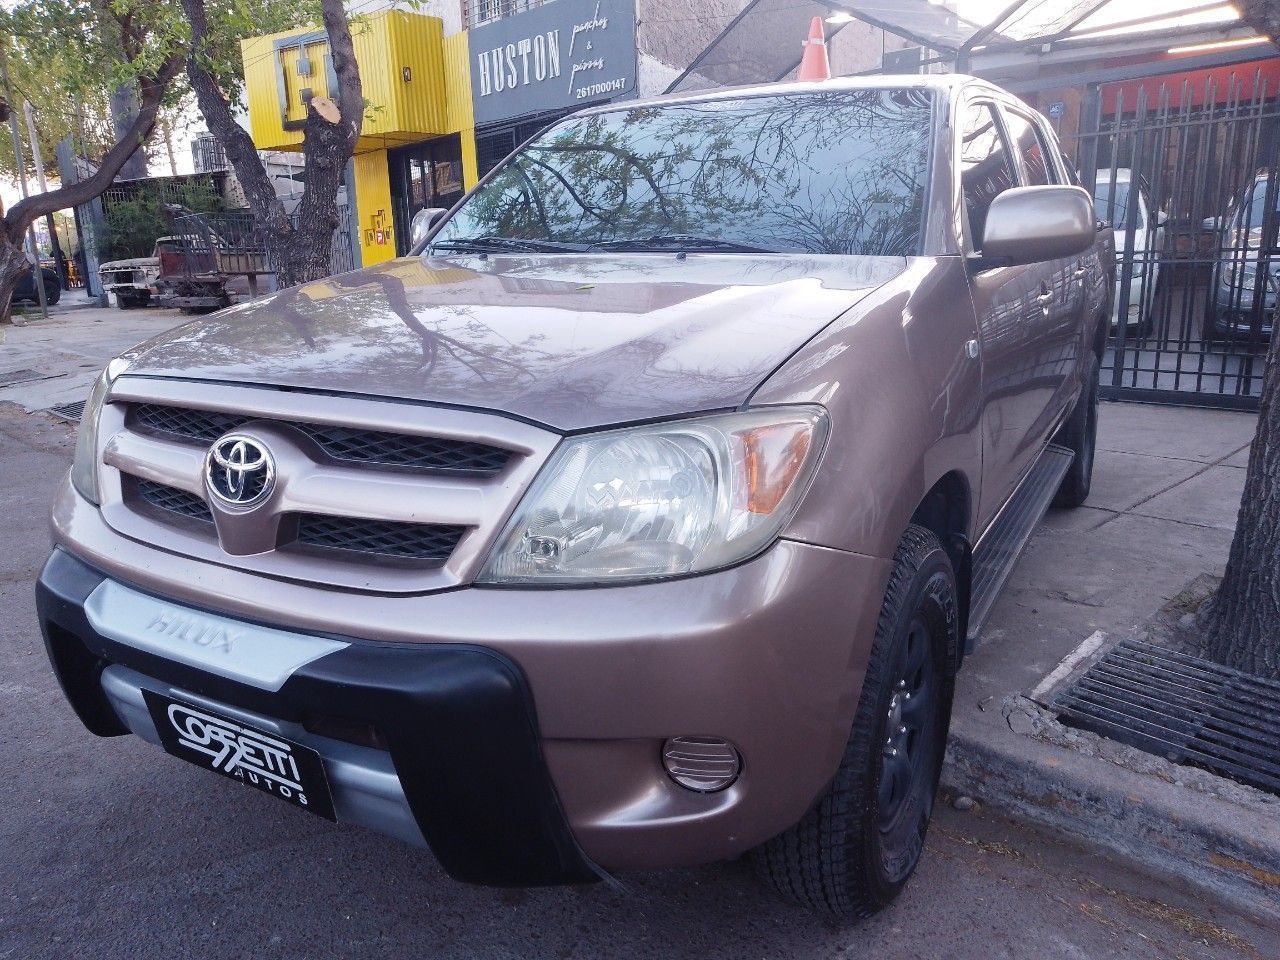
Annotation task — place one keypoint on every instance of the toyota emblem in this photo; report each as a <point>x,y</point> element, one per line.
<point>239,471</point>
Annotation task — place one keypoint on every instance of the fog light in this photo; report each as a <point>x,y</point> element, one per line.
<point>703,764</point>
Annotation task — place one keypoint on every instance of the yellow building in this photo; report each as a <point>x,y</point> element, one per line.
<point>417,144</point>
<point>442,110</point>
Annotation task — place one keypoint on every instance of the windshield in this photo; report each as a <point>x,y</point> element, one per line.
<point>838,173</point>
<point>1111,204</point>
<point>1251,215</point>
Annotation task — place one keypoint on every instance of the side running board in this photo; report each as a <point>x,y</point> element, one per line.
<point>998,550</point>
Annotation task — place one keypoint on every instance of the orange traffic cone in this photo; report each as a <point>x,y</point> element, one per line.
<point>813,64</point>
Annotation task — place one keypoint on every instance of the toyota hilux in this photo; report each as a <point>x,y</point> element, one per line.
<point>641,517</point>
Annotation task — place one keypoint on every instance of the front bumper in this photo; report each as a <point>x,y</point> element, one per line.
<point>493,819</point>
<point>1137,307</point>
<point>1232,313</point>
<point>769,655</point>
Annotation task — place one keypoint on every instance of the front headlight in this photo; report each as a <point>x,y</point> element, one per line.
<point>84,467</point>
<point>661,500</point>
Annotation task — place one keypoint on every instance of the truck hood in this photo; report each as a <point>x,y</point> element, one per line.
<point>569,341</point>
<point>135,263</point>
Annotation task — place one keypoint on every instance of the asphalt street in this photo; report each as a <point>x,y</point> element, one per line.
<point>109,848</point>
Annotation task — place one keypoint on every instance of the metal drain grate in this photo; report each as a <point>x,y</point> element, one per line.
<point>1183,708</point>
<point>69,412</point>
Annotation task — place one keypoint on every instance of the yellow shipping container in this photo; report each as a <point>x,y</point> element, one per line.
<point>417,88</point>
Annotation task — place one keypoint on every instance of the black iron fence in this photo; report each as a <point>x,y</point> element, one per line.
<point>342,256</point>
<point>207,155</point>
<point>1187,176</point>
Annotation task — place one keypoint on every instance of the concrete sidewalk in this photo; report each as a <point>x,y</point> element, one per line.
<point>1166,490</point>
<point>66,352</point>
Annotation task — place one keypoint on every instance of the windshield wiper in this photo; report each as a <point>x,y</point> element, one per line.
<point>680,241</point>
<point>488,244</point>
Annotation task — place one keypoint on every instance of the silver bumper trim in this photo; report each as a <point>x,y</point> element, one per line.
<point>366,790</point>
<point>262,657</point>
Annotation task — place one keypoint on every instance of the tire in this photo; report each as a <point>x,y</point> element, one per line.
<point>52,292</point>
<point>855,850</point>
<point>1080,435</point>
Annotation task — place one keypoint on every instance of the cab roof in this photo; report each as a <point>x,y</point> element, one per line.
<point>947,83</point>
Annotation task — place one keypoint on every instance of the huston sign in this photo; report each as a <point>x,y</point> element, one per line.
<point>564,53</point>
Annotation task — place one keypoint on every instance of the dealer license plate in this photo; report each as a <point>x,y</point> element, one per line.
<point>267,761</point>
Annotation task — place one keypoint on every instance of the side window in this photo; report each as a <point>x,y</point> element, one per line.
<point>1073,174</point>
<point>985,170</point>
<point>1029,142</point>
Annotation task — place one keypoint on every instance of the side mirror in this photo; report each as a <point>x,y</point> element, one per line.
<point>1162,219</point>
<point>1034,224</point>
<point>421,225</point>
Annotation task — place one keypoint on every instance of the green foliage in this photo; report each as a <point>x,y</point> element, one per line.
<point>37,80</point>
<point>231,21</point>
<point>68,52</point>
<point>98,44</point>
<point>134,223</point>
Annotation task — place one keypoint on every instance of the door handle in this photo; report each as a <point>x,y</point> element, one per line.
<point>1079,272</point>
<point>1045,299</point>
<point>971,350</point>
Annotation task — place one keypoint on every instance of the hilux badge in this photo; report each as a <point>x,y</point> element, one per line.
<point>239,471</point>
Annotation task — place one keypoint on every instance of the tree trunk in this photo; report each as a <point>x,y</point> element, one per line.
<point>124,113</point>
<point>301,251</point>
<point>1242,621</point>
<point>1262,15</point>
<point>13,263</point>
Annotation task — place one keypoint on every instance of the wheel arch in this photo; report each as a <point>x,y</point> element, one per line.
<point>946,510</point>
<point>1101,323</point>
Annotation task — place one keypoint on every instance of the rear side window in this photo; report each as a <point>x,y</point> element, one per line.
<point>1029,141</point>
<point>985,169</point>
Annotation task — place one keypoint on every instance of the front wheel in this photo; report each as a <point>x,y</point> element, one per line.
<point>854,851</point>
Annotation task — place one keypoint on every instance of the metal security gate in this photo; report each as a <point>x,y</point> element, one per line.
<point>1187,176</point>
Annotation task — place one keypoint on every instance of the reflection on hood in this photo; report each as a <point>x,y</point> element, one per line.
<point>569,341</point>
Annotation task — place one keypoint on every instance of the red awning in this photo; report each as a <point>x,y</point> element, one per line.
<point>1196,85</point>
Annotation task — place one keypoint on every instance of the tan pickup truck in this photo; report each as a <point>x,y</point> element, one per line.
<point>641,518</point>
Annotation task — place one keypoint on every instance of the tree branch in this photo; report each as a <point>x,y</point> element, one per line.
<point>350,90</point>
<point>236,142</point>
<point>152,89</point>
<point>1263,16</point>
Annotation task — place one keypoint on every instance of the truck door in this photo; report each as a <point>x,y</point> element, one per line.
<point>1057,326</point>
<point>1007,302</point>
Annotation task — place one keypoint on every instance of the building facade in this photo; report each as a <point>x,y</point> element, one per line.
<point>456,85</point>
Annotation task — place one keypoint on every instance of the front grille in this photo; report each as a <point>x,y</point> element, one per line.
<point>415,541</point>
<point>427,543</point>
<point>347,444</point>
<point>203,425</point>
<point>172,500</point>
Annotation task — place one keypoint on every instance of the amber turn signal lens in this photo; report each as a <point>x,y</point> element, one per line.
<point>773,456</point>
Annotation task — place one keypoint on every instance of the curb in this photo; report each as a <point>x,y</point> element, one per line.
<point>1211,833</point>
